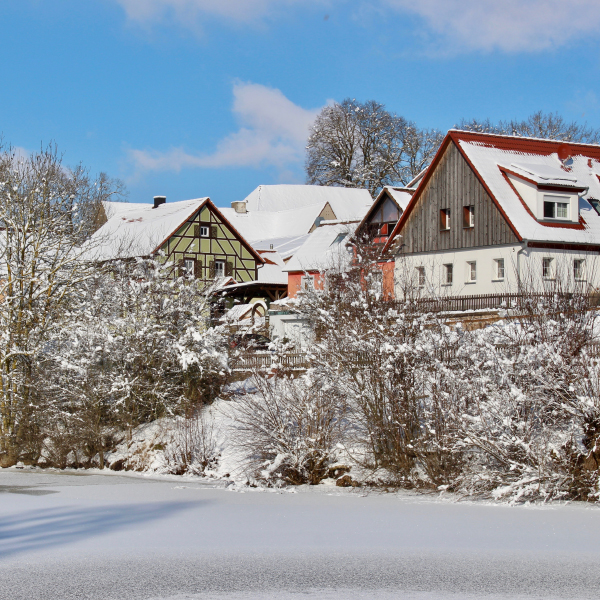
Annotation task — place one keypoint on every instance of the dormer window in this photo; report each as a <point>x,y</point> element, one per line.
<point>555,207</point>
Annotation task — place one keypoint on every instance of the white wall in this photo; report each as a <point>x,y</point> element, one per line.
<point>517,258</point>
<point>294,327</point>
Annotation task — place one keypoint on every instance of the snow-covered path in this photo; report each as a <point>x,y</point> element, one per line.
<point>109,536</point>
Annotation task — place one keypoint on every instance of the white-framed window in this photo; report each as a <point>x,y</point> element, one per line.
<point>547,268</point>
<point>307,282</point>
<point>499,268</point>
<point>204,231</point>
<point>471,271</point>
<point>556,207</point>
<point>420,276</point>
<point>190,266</point>
<point>448,273</point>
<point>444,219</point>
<point>219,268</point>
<point>468,216</point>
<point>579,269</point>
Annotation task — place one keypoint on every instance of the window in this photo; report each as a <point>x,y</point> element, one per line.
<point>579,269</point>
<point>190,266</point>
<point>595,204</point>
<point>448,274</point>
<point>499,268</point>
<point>471,272</point>
<point>204,231</point>
<point>308,282</point>
<point>421,276</point>
<point>444,219</point>
<point>555,208</point>
<point>547,268</point>
<point>219,268</point>
<point>468,216</point>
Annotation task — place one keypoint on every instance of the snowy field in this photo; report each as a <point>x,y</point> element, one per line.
<point>108,536</point>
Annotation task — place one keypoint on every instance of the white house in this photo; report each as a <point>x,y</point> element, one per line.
<point>495,213</point>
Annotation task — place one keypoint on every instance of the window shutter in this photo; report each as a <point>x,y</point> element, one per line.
<point>196,230</point>
<point>228,269</point>
<point>197,268</point>
<point>211,269</point>
<point>180,265</point>
<point>213,231</point>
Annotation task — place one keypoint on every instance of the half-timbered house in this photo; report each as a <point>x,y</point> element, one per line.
<point>193,235</point>
<point>495,212</point>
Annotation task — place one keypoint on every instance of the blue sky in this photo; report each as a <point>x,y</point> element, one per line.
<point>191,98</point>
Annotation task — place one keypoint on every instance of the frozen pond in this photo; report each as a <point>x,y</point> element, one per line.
<point>96,536</point>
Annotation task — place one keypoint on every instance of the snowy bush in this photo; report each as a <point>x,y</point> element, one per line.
<point>138,349</point>
<point>510,411</point>
<point>192,447</point>
<point>289,430</point>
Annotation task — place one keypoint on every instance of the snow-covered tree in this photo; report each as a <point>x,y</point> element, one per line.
<point>363,145</point>
<point>551,126</point>
<point>139,348</point>
<point>46,211</point>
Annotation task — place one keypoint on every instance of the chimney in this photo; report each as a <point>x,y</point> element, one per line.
<point>158,200</point>
<point>239,206</point>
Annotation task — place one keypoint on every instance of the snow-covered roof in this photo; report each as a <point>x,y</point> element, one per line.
<point>112,209</point>
<point>324,249</point>
<point>138,229</point>
<point>348,201</point>
<point>272,271</point>
<point>541,165</point>
<point>494,157</point>
<point>285,246</point>
<point>290,211</point>
<point>243,312</point>
<point>261,225</point>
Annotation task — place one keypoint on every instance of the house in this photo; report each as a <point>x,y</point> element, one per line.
<point>374,230</point>
<point>192,234</point>
<point>324,250</point>
<point>278,219</point>
<point>495,213</point>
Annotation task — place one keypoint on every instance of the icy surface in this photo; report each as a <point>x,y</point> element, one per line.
<point>103,536</point>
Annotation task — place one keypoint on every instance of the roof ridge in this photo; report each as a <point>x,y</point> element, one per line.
<point>507,136</point>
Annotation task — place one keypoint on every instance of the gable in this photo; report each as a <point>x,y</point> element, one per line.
<point>452,185</point>
<point>207,237</point>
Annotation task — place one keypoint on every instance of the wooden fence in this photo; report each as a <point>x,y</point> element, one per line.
<point>249,362</point>
<point>491,301</point>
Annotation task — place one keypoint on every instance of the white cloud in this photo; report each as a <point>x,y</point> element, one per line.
<point>273,132</point>
<point>508,25</point>
<point>191,12</point>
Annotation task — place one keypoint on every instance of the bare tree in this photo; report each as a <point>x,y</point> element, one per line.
<point>363,145</point>
<point>550,126</point>
<point>46,211</point>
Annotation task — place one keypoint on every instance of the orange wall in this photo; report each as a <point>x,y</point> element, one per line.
<point>388,279</point>
<point>295,282</point>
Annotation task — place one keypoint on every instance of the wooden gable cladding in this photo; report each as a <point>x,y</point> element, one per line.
<point>452,186</point>
<point>215,247</point>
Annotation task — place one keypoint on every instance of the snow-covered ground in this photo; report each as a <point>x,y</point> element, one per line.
<point>92,535</point>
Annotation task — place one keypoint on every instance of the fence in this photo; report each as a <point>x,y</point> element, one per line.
<point>491,301</point>
<point>300,361</point>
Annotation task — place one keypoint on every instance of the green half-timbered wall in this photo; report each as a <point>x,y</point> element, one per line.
<point>222,244</point>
